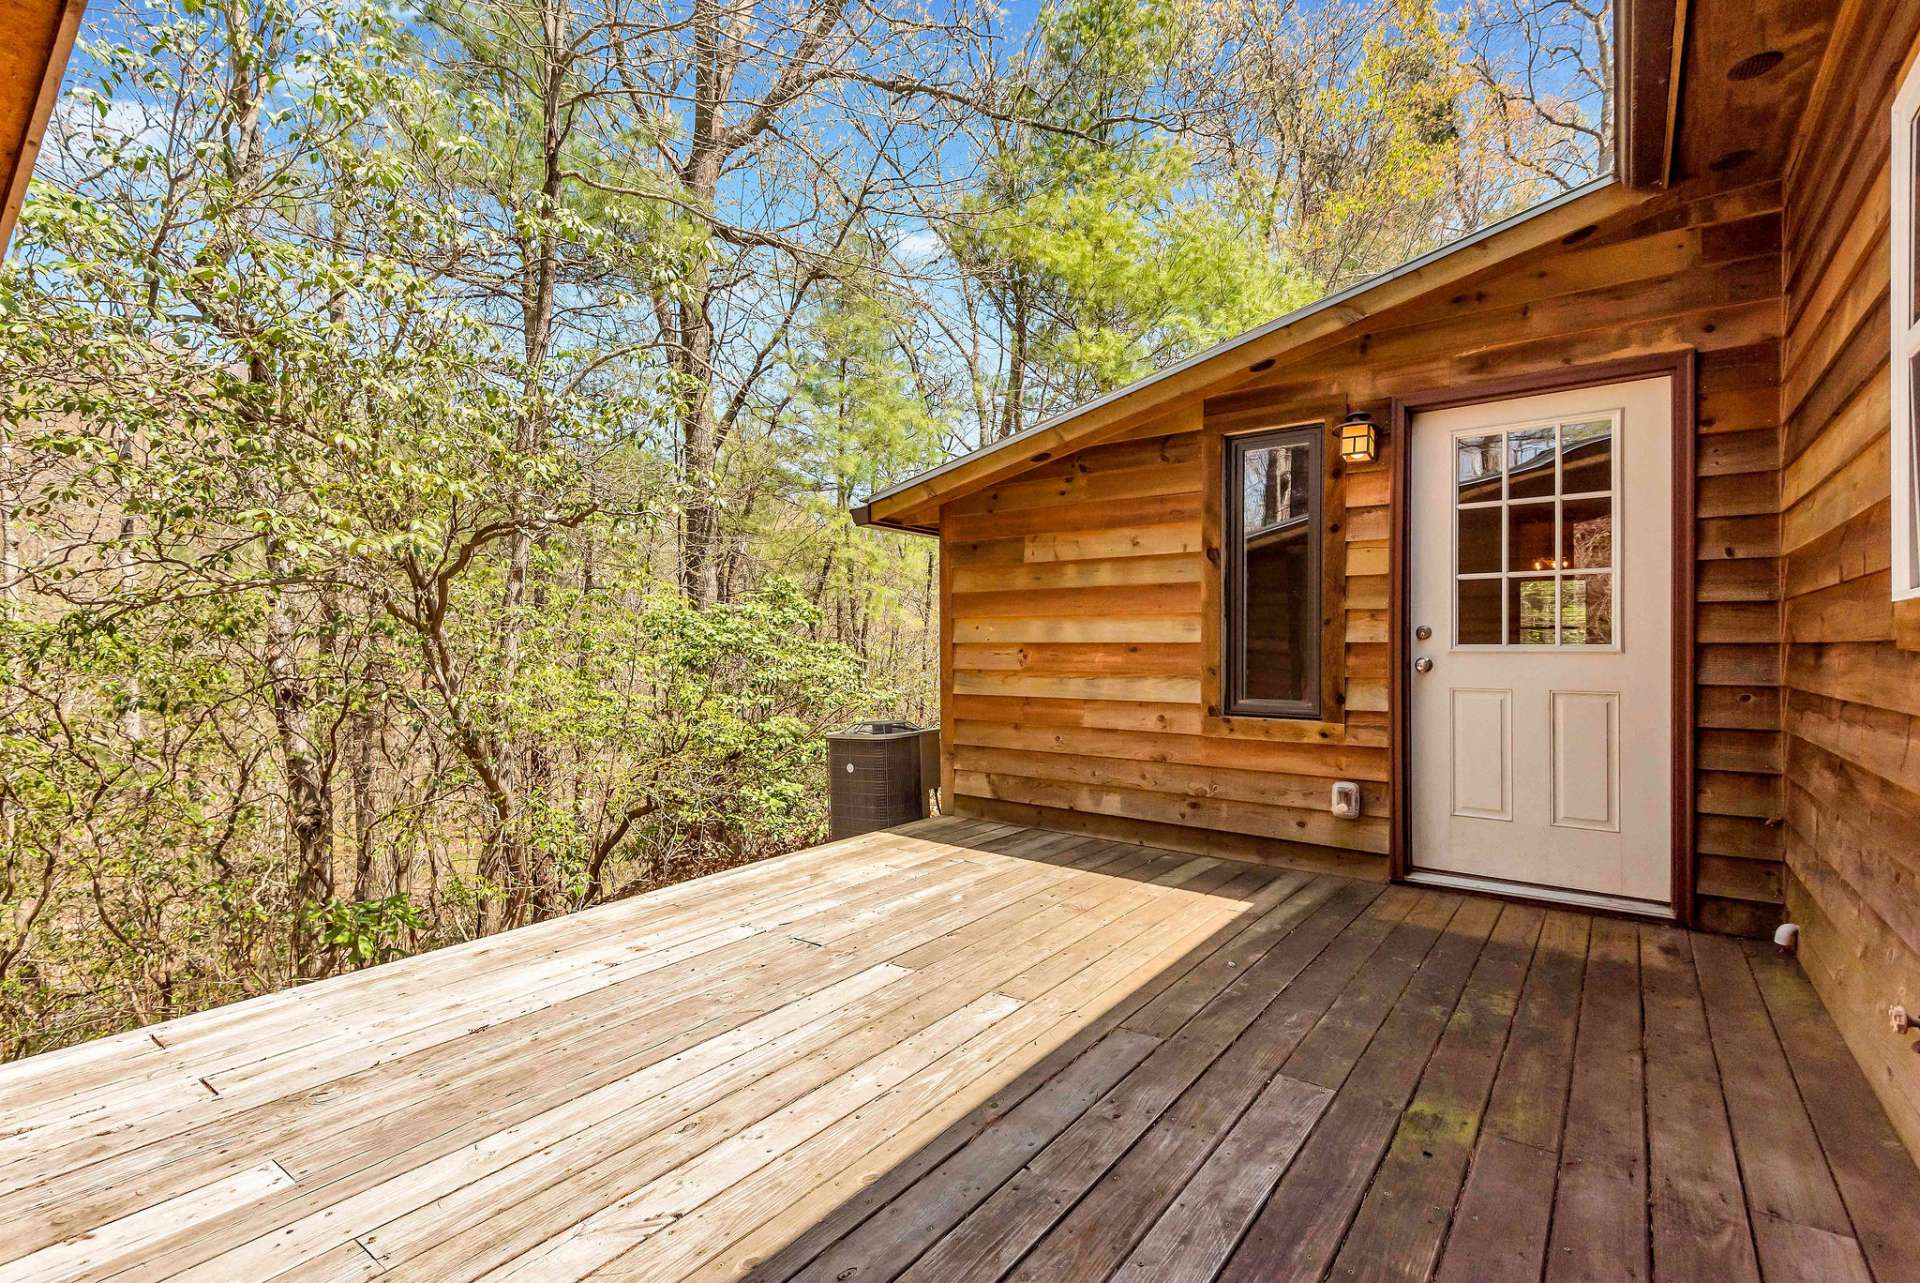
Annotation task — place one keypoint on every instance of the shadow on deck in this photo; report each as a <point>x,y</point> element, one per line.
<point>969,1051</point>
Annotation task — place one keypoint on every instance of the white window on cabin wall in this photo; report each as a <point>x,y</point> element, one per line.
<point>1906,339</point>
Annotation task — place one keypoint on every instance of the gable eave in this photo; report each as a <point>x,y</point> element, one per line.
<point>40,36</point>
<point>912,504</point>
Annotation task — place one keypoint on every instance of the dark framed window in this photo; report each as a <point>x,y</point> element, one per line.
<point>1271,584</point>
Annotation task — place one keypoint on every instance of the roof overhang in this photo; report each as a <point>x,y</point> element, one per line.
<point>1650,40</point>
<point>913,505</point>
<point>36,36</point>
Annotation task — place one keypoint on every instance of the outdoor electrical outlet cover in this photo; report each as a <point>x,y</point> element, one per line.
<point>1346,800</point>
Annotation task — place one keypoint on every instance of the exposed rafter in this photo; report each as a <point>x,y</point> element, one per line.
<point>36,36</point>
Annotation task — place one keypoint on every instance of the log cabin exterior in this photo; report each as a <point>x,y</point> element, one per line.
<point>992,1051</point>
<point>1739,271</point>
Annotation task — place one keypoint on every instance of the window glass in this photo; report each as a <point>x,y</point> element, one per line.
<point>1586,610</point>
<point>1530,466</point>
<point>1273,584</point>
<point>1586,533</point>
<point>1586,460</point>
<point>1912,273</point>
<point>1530,536</point>
<point>1479,619</point>
<point>1478,467</point>
<point>1904,269</point>
<point>1480,541</point>
<point>1530,610</point>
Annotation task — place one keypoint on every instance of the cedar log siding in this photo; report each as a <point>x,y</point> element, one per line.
<point>1083,604</point>
<point>1853,690</point>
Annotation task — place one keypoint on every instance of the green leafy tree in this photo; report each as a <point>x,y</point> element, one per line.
<point>427,434</point>
<point>1086,237</point>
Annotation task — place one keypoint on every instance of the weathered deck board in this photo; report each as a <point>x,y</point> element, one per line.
<point>1403,1220</point>
<point>1091,1241</point>
<point>1500,1227</point>
<point>1302,1226</point>
<point>1877,1180</point>
<point>973,1051</point>
<point>1799,1219</point>
<point>1700,1227</point>
<point>1600,1204</point>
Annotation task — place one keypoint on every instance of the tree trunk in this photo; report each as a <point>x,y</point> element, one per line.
<point>11,558</point>
<point>699,428</point>
<point>530,881</point>
<point>361,731</point>
<point>309,787</point>
<point>700,450</point>
<point>1013,412</point>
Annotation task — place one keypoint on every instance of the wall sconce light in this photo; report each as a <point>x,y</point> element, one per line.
<point>1359,438</point>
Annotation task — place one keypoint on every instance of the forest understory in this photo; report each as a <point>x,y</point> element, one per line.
<point>429,431</point>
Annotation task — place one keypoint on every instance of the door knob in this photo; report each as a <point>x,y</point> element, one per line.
<point>1423,665</point>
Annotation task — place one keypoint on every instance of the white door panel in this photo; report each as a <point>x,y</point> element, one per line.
<point>1540,561</point>
<point>1586,759</point>
<point>1483,754</point>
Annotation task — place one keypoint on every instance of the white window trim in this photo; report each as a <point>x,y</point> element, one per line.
<point>1905,344</point>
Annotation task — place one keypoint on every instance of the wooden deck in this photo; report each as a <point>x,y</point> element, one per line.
<point>974,1052</point>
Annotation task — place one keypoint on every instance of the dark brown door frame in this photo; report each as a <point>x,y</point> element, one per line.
<point>1677,366</point>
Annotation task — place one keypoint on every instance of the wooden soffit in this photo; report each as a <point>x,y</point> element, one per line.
<point>36,36</point>
<point>1650,37</point>
<point>1749,71</point>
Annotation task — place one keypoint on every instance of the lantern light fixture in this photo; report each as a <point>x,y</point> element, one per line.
<point>1359,438</point>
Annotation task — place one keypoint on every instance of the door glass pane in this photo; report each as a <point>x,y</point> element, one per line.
<point>1586,532</point>
<point>1476,467</point>
<point>1586,457</point>
<point>1479,612</point>
<point>1280,620</point>
<point>1530,463</point>
<point>1530,536</point>
<point>1480,541</point>
<point>1586,610</point>
<point>1530,610</point>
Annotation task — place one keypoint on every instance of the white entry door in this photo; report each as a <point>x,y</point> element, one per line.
<point>1540,572</point>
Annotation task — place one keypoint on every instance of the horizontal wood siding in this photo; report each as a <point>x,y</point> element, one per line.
<point>1077,673</point>
<point>1738,751</point>
<point>1079,616</point>
<point>1852,692</point>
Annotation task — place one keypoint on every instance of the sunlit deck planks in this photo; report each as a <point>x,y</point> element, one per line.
<point>972,1051</point>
